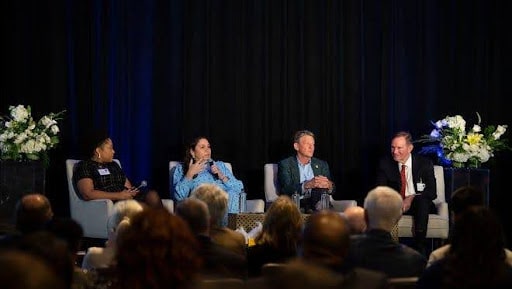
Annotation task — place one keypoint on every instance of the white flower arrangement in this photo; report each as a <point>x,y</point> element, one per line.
<point>22,138</point>
<point>466,148</point>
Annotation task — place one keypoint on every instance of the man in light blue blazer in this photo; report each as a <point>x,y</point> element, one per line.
<point>304,174</point>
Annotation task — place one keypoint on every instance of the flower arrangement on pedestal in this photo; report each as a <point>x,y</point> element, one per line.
<point>455,146</point>
<point>22,138</point>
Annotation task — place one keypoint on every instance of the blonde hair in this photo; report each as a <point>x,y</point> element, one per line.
<point>282,225</point>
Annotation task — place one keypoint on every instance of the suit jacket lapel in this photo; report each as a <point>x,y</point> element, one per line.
<point>295,170</point>
<point>316,167</point>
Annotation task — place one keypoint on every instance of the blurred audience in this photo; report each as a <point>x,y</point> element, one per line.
<point>101,257</point>
<point>375,249</point>
<point>31,214</point>
<point>157,251</point>
<point>199,168</point>
<point>279,239</point>
<point>72,233</point>
<point>33,211</point>
<point>326,242</point>
<point>463,198</point>
<point>21,270</point>
<point>218,262</point>
<point>476,257</point>
<point>217,201</point>
<point>355,219</point>
<point>52,250</point>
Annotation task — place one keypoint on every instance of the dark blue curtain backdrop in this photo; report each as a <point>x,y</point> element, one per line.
<point>247,74</point>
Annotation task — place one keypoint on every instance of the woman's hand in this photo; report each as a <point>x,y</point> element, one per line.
<point>195,168</point>
<point>127,194</point>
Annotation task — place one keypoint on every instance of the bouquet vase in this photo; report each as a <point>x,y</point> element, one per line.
<point>18,178</point>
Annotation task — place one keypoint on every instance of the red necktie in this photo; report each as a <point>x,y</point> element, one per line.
<point>403,180</point>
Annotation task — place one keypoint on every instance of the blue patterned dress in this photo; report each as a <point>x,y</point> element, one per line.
<point>182,187</point>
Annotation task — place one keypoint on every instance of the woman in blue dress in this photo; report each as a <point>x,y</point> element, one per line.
<point>199,168</point>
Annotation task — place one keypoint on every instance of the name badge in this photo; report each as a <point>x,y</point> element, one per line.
<point>104,172</point>
<point>420,187</point>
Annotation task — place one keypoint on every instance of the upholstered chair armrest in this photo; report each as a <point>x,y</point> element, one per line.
<point>341,205</point>
<point>255,206</point>
<point>442,209</point>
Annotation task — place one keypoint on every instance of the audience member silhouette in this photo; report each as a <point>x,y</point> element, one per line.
<point>158,251</point>
<point>326,243</point>
<point>218,262</point>
<point>217,201</point>
<point>101,257</point>
<point>72,233</point>
<point>21,270</point>
<point>376,249</point>
<point>33,211</point>
<point>279,239</point>
<point>31,214</point>
<point>463,198</point>
<point>355,219</point>
<point>52,250</point>
<point>476,258</point>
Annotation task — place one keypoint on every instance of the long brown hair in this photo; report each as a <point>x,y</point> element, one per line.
<point>158,250</point>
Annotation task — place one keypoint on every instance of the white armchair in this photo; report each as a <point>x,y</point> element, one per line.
<point>93,215</point>
<point>438,223</point>
<point>271,187</point>
<point>253,206</point>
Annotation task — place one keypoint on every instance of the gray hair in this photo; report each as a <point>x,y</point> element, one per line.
<point>216,199</point>
<point>383,206</point>
<point>124,209</point>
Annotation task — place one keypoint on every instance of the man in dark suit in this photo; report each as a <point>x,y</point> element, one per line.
<point>304,174</point>
<point>375,249</point>
<point>413,176</point>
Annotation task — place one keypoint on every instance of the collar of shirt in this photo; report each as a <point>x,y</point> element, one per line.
<point>306,171</point>
<point>408,176</point>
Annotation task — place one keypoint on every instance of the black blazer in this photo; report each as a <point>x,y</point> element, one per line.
<point>388,174</point>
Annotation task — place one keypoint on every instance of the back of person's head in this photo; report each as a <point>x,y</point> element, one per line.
<point>195,213</point>
<point>32,213</point>
<point>282,225</point>
<point>157,250</point>
<point>21,270</point>
<point>216,199</point>
<point>465,197</point>
<point>355,219</point>
<point>383,208</point>
<point>300,274</point>
<point>124,209</point>
<point>326,239</point>
<point>68,230</point>
<point>476,258</point>
<point>52,250</point>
